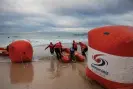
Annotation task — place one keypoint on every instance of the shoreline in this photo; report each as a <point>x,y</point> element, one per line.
<point>39,52</point>
<point>66,43</point>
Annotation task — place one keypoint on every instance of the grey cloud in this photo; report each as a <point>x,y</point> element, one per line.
<point>67,7</point>
<point>17,15</point>
<point>107,7</point>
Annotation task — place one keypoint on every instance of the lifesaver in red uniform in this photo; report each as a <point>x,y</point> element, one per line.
<point>110,56</point>
<point>20,51</point>
<point>79,56</point>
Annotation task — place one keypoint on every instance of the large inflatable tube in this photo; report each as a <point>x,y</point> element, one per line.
<point>67,50</point>
<point>20,51</point>
<point>66,57</point>
<point>110,56</point>
<point>3,52</point>
<point>79,56</point>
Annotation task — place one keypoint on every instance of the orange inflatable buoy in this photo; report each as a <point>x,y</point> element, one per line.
<point>110,56</point>
<point>20,51</point>
<point>79,57</point>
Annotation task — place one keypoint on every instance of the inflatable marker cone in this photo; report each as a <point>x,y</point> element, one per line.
<point>20,51</point>
<point>110,56</point>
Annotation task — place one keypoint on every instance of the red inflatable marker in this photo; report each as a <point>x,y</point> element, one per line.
<point>20,51</point>
<point>110,56</point>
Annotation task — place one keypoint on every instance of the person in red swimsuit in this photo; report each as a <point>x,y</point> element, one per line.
<point>51,46</point>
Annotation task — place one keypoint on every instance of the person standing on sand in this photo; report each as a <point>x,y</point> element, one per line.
<point>58,50</point>
<point>51,46</point>
<point>74,45</point>
<point>84,48</point>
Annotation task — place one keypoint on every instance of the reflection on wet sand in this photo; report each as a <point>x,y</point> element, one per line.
<point>52,64</point>
<point>21,73</point>
<point>55,68</point>
<point>73,66</point>
<point>44,74</point>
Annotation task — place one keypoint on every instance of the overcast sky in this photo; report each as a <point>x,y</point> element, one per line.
<point>63,15</point>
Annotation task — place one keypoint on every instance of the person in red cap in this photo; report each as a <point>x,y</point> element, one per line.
<point>51,46</point>
<point>84,48</point>
<point>74,45</point>
<point>58,50</point>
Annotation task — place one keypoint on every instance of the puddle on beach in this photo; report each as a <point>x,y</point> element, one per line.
<point>46,73</point>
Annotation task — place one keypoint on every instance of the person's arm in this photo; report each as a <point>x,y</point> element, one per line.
<point>54,46</point>
<point>46,47</point>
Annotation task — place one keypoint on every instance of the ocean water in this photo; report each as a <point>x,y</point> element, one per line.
<point>41,38</point>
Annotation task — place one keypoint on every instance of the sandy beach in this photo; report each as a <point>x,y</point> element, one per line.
<point>45,72</point>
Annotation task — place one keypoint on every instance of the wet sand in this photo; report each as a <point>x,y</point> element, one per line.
<point>46,73</point>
